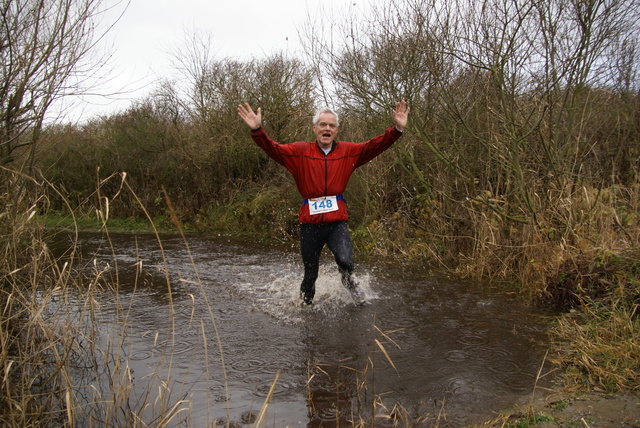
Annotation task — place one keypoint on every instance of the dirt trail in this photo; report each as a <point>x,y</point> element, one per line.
<point>593,409</point>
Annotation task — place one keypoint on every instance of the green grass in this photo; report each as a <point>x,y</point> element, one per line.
<point>532,421</point>
<point>85,222</point>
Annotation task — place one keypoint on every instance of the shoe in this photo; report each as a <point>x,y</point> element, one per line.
<point>356,292</point>
<point>307,298</point>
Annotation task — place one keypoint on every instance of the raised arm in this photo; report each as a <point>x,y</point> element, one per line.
<point>251,118</point>
<point>401,115</point>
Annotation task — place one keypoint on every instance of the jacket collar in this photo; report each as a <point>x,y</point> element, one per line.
<point>334,144</point>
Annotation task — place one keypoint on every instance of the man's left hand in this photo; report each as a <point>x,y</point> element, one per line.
<point>401,115</point>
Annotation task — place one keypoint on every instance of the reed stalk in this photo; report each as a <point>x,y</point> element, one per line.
<point>63,362</point>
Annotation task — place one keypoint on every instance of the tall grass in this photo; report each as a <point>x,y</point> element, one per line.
<point>62,352</point>
<point>600,347</point>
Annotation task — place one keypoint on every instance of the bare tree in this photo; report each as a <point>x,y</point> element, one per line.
<point>42,45</point>
<point>281,85</point>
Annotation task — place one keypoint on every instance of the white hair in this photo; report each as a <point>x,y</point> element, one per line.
<point>316,117</point>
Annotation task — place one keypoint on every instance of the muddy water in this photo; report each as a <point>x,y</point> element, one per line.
<point>446,350</point>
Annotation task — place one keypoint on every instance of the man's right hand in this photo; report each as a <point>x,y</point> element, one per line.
<point>251,118</point>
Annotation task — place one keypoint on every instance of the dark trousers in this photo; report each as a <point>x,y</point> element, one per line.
<point>313,237</point>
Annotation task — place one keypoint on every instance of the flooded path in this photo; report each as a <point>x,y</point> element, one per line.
<point>449,351</point>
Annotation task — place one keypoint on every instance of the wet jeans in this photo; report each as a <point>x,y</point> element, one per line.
<point>312,239</point>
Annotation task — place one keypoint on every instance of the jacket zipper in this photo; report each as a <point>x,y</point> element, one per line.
<point>326,176</point>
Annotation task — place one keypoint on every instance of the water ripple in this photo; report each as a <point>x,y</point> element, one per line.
<point>281,388</point>
<point>471,339</point>
<point>456,356</point>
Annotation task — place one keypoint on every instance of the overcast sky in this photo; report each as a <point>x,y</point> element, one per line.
<point>142,39</point>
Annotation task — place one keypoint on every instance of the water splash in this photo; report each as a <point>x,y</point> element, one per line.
<point>279,294</point>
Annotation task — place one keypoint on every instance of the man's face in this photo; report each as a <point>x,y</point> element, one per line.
<point>326,130</point>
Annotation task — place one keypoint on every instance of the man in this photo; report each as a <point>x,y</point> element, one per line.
<point>321,170</point>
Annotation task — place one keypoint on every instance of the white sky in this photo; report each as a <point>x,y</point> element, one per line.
<point>141,41</point>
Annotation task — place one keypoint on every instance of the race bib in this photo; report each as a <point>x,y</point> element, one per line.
<point>325,204</point>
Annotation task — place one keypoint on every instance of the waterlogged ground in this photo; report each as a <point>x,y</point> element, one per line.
<point>218,323</point>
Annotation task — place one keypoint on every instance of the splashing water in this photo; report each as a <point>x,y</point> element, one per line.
<point>279,294</point>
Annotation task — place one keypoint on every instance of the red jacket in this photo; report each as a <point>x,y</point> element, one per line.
<point>317,174</point>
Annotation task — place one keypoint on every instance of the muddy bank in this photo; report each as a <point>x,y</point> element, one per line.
<point>557,408</point>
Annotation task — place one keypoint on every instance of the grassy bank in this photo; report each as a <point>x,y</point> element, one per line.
<point>60,220</point>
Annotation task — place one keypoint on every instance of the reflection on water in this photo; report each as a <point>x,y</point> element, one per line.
<point>433,345</point>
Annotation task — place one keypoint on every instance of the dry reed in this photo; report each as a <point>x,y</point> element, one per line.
<point>62,354</point>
